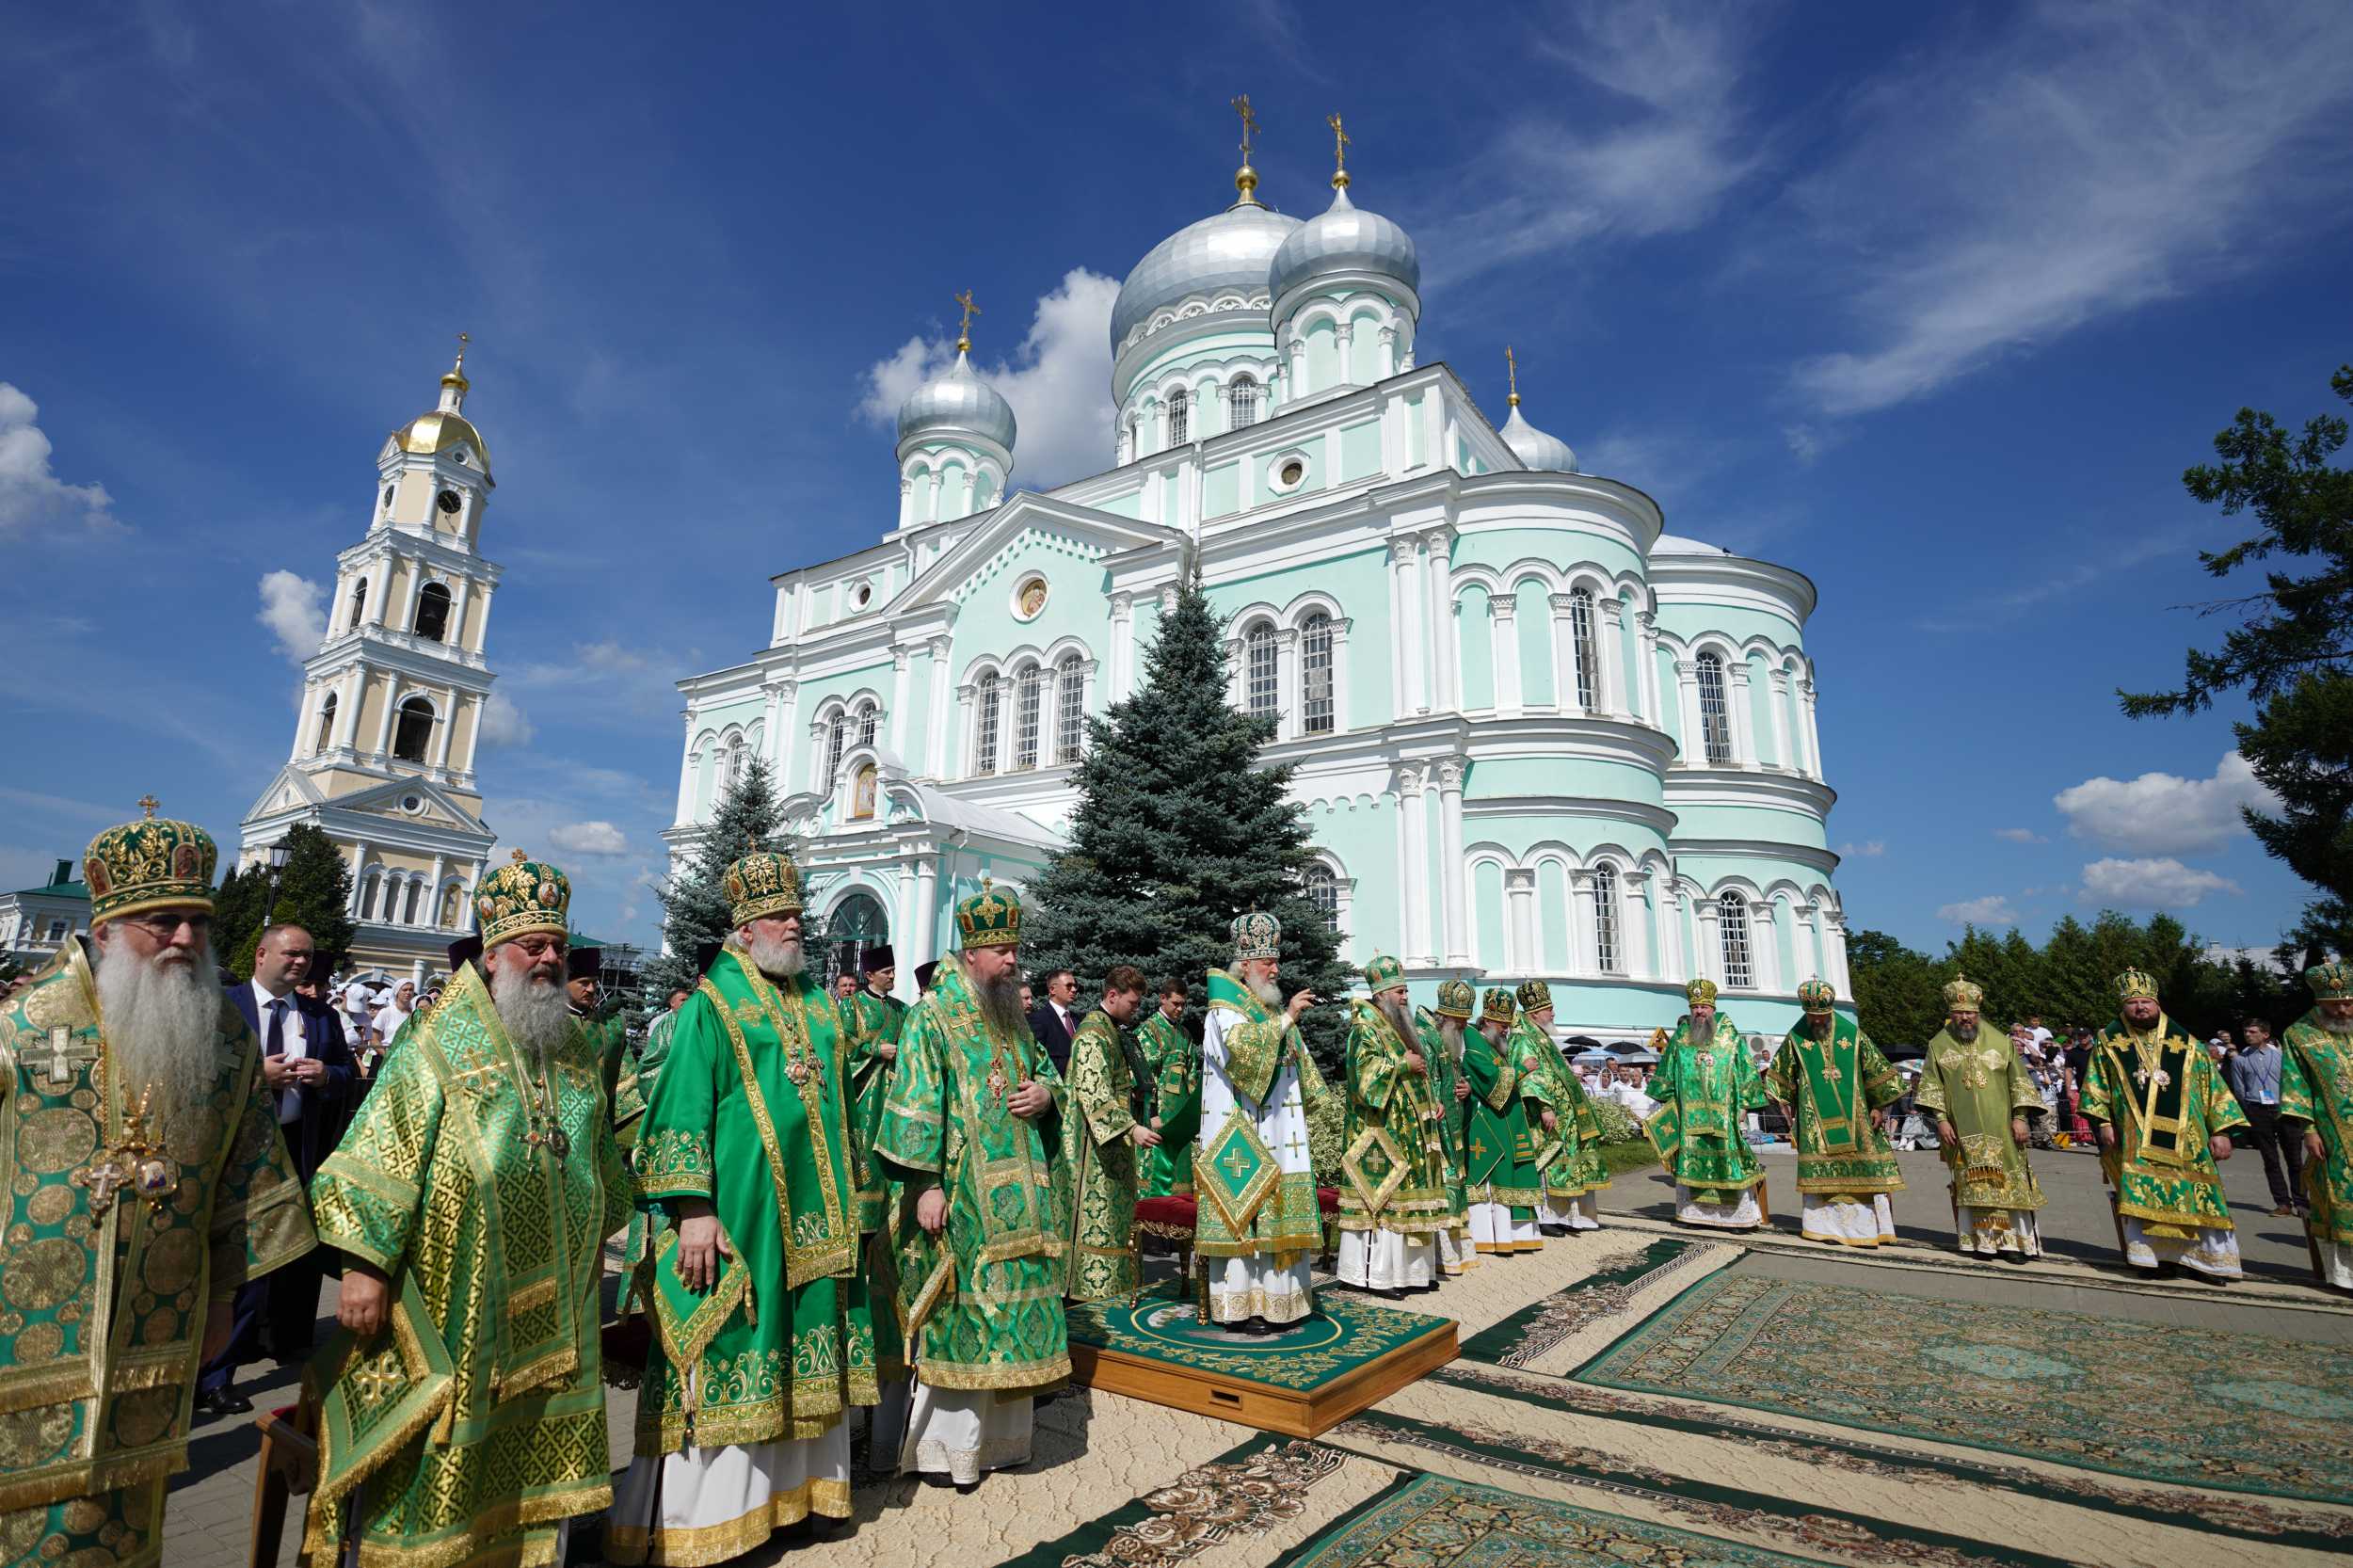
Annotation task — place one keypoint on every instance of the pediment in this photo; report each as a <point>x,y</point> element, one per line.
<point>981,551</point>
<point>290,791</point>
<point>392,798</point>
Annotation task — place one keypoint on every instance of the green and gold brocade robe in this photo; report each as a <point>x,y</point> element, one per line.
<point>1980,1087</point>
<point>2316,1093</point>
<point>1175,1061</point>
<point>482,1183</point>
<point>105,1300</point>
<point>749,1116</point>
<point>1831,1088</point>
<point>1705,1090</point>
<point>1446,1071</point>
<point>1100,1259</point>
<point>2164,1098</point>
<point>981,1303</point>
<point>871,1023</point>
<point>1393,1174</point>
<point>1498,1151</point>
<point>609,1038</point>
<point>1568,1158</point>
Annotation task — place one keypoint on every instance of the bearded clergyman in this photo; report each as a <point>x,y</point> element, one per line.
<point>1705,1084</point>
<point>1976,1086</point>
<point>1834,1086</point>
<point>463,1421</point>
<point>1567,1135</point>
<point>2316,1096</point>
<point>1498,1150</point>
<point>147,1182</point>
<point>1393,1195</point>
<point>1442,1042</point>
<point>1260,1229</point>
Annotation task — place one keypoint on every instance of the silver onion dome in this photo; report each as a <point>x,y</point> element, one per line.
<point>1345,238</point>
<point>1535,449</point>
<point>957,403</point>
<point>1227,250</point>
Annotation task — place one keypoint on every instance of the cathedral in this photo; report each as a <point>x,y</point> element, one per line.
<point>1536,735</point>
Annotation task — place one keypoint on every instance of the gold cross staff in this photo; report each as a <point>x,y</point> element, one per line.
<point>1249,124</point>
<point>1340,140</point>
<point>963,330</point>
<point>1512,367</point>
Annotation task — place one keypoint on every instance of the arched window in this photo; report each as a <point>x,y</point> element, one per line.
<point>856,924</point>
<point>731,761</point>
<point>868,717</point>
<point>1179,421</point>
<point>409,910</point>
<point>1582,649</point>
<point>837,737</point>
<point>368,891</point>
<point>447,916</point>
<point>1242,398</point>
<point>359,604</point>
<point>1315,673</point>
<point>414,730</point>
<point>1030,699</point>
<point>1259,680</point>
<point>1070,708</point>
<point>1606,919</point>
<point>992,697</point>
<point>327,724</point>
<point>1732,914</point>
<point>1715,714</point>
<point>433,612</point>
<point>1323,892</point>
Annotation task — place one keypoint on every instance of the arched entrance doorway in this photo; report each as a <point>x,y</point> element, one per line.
<point>858,923</point>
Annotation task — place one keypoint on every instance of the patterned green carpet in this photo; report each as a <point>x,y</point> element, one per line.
<point>1161,1325</point>
<point>2234,1411</point>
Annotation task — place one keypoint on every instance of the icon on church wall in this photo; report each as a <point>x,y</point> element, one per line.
<point>862,792</point>
<point>1032,598</point>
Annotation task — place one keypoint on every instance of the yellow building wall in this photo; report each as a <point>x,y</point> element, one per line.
<point>462,737</point>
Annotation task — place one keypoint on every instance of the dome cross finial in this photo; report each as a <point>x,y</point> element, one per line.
<point>454,383</point>
<point>1340,140</point>
<point>964,328</point>
<point>1246,178</point>
<point>1512,367</point>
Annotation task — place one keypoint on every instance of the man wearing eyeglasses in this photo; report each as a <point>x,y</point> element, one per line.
<point>147,1182</point>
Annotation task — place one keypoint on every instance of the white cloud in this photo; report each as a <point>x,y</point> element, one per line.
<point>31,495</point>
<point>295,610</point>
<point>1870,849</point>
<point>2019,834</point>
<point>1058,380</point>
<point>590,838</point>
<point>2160,883</point>
<point>2162,813</point>
<point>2087,162</point>
<point>504,723</point>
<point>1991,910</point>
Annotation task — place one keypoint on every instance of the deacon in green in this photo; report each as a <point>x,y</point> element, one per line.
<point>873,1020</point>
<point>2164,1117</point>
<point>464,1421</point>
<point>147,1181</point>
<point>1175,1062</point>
<point>1100,1141</point>
<point>1706,1085</point>
<point>1442,1042</point>
<point>2316,1090</point>
<point>1498,1155</point>
<point>979,1204</point>
<point>1569,1167</point>
<point>1260,1229</point>
<point>1977,1087</point>
<point>1393,1204</point>
<point>1834,1087</point>
<point>763,1339</point>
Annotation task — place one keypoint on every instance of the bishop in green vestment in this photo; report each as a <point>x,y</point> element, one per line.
<point>2163,1116</point>
<point>762,1336</point>
<point>980,1207</point>
<point>1393,1203</point>
<point>147,1181</point>
<point>1174,1058</point>
<point>462,1414</point>
<point>2316,1100</point>
<point>1498,1154</point>
<point>1569,1167</point>
<point>1101,1143</point>
<point>1834,1086</point>
<point>1442,1042</point>
<point>1977,1087</point>
<point>1705,1084</point>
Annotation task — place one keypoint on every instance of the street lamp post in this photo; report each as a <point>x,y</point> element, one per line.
<point>277,856</point>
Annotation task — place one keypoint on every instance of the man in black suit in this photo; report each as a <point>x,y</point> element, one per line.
<point>1054,1021</point>
<point>306,1059</point>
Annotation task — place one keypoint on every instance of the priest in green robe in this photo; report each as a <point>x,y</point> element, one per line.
<point>1834,1087</point>
<point>608,1036</point>
<point>2316,1100</point>
<point>2163,1116</point>
<point>980,1207</point>
<point>1705,1084</point>
<point>871,1019</point>
<point>1393,1202</point>
<point>1567,1135</point>
<point>147,1182</point>
<point>462,1417</point>
<point>1442,1042</point>
<point>1978,1088</point>
<point>1174,1058</point>
<point>1102,1140</point>
<point>762,1336</point>
<point>1498,1155</point>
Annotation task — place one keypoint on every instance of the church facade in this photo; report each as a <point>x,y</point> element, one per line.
<point>1536,735</point>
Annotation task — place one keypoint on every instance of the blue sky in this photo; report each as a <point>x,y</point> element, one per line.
<point>1934,308</point>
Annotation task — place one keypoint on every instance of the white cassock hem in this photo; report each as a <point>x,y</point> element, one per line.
<point>725,1500</point>
<point>960,1432</point>
<point>1386,1260</point>
<point>1985,1232</point>
<point>1745,1213</point>
<point>1851,1220</point>
<point>1455,1252</point>
<point>1257,1284</point>
<point>1245,1288</point>
<point>1577,1213</point>
<point>2213,1252</point>
<point>2336,1263</point>
<point>1494,1230</point>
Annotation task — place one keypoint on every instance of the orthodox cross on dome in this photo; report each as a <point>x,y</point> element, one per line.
<point>148,803</point>
<point>1512,367</point>
<point>463,339</point>
<point>1246,178</point>
<point>1340,140</point>
<point>964,330</point>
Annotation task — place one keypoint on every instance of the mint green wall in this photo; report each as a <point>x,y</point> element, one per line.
<point>1363,838</point>
<point>1129,505</point>
<point>1242,341</point>
<point>1417,435</point>
<point>1670,714</point>
<point>1763,870</point>
<point>1499,548</point>
<point>1221,490</point>
<point>1630,659</point>
<point>1168,500</point>
<point>1360,451</point>
<point>1323,357</point>
<point>1584,778</point>
<point>1364,351</point>
<point>1761,713</point>
<point>1553,928</point>
<point>1075,602</point>
<point>1534,630</point>
<point>1476,660</point>
<point>1487,917</point>
<point>1687,620</point>
<point>1768,824</point>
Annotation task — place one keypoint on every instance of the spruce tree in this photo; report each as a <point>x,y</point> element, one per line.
<point>313,892</point>
<point>695,902</point>
<point>1179,827</point>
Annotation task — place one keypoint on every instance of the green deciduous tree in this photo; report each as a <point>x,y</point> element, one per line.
<point>313,892</point>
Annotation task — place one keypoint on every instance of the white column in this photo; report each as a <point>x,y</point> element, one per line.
<point>1673,962</point>
<point>1710,958</point>
<point>1344,337</point>
<point>1519,896</point>
<point>379,587</point>
<point>967,757</point>
<point>1405,607</point>
<point>1743,713</point>
<point>1388,351</point>
<point>1610,655</point>
<point>1635,914</point>
<point>689,760</point>
<point>896,738</point>
<point>906,501</point>
<point>1777,699</point>
<point>1453,874</point>
<point>1646,649</point>
<point>1123,644</point>
<point>430,908</point>
<point>348,707</point>
<point>1438,569</point>
<point>1807,940</point>
<point>359,866</point>
<point>935,760</point>
<point>1584,930</point>
<point>926,920</point>
<point>1839,975</point>
<point>1564,653</point>
<point>1288,692</point>
<point>1812,728</point>
<point>1413,880</point>
<point>393,694</point>
<point>444,728</point>
<point>306,720</point>
<point>1503,626</point>
<point>409,599</point>
<point>1694,753</point>
<point>779,735</point>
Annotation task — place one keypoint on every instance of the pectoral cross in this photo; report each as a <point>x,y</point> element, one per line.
<point>997,1081</point>
<point>2142,1074</point>
<point>1830,1073</point>
<point>103,1179</point>
<point>60,1055</point>
<point>1234,1164</point>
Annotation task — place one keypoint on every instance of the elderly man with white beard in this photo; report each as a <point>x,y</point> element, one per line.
<point>147,1182</point>
<point>1393,1202</point>
<point>462,1417</point>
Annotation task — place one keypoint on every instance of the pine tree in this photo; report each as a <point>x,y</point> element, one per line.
<point>695,902</point>
<point>313,892</point>
<point>1179,828</point>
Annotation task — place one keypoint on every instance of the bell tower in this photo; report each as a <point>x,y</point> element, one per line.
<point>393,702</point>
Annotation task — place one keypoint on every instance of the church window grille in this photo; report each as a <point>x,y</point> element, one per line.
<point>414,731</point>
<point>1031,699</point>
<point>1070,710</point>
<point>1732,915</point>
<point>837,737</point>
<point>1715,714</point>
<point>869,716</point>
<point>359,604</point>
<point>408,909</point>
<point>1259,688</point>
<point>1244,399</point>
<point>991,700</point>
<point>1315,673</point>
<point>733,761</point>
<point>327,724</point>
<point>1582,646</point>
<point>1606,919</point>
<point>433,612</point>
<point>1179,420</point>
<point>1323,892</point>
